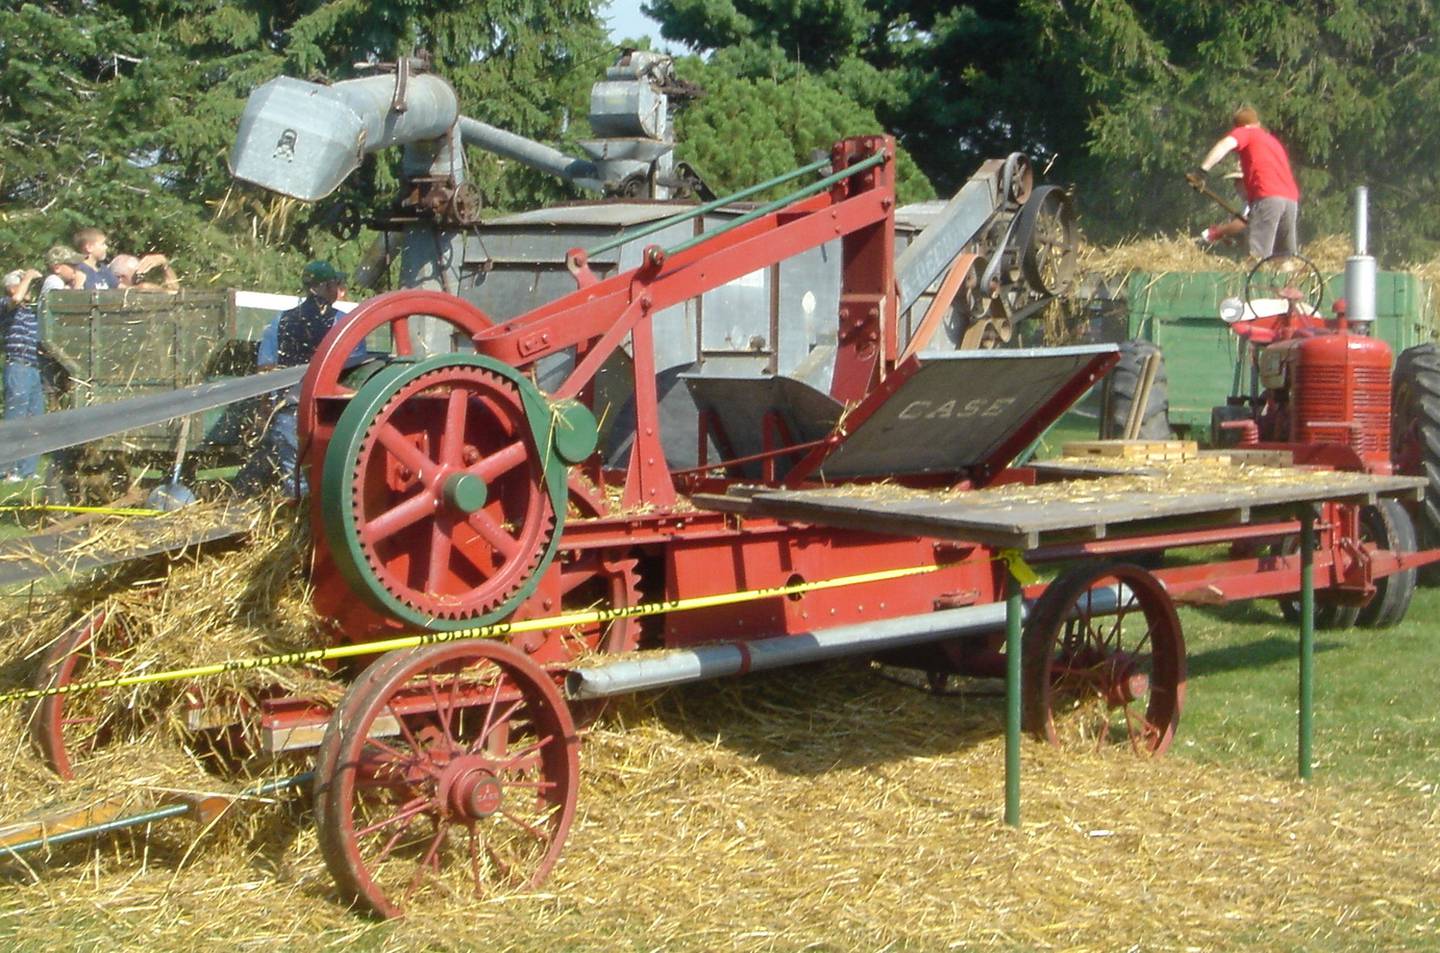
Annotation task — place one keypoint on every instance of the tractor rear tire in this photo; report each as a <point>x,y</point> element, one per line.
<point>1120,388</point>
<point>1388,525</point>
<point>1415,437</point>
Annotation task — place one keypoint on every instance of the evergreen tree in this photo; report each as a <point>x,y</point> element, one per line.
<point>744,130</point>
<point>1121,96</point>
<point>121,115</point>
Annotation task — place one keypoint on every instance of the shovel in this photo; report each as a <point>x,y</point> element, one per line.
<point>173,495</point>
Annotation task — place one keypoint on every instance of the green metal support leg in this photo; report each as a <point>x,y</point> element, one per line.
<point>1012,700</point>
<point>1307,634</point>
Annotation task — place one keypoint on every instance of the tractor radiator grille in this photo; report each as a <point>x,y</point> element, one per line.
<point>1332,394</point>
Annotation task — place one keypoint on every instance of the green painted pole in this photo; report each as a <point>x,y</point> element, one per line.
<point>1307,634</point>
<point>710,206</point>
<point>1012,700</point>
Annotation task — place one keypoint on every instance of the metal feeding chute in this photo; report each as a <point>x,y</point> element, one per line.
<point>30,436</point>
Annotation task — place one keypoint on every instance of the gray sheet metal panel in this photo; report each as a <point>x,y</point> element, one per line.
<point>675,328</point>
<point>522,265</point>
<point>510,289</point>
<point>930,254</point>
<point>28,436</point>
<point>741,404</point>
<point>809,309</point>
<point>957,410</point>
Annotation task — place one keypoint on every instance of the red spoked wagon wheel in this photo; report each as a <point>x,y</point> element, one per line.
<point>397,314</point>
<point>454,771</point>
<point>66,729</point>
<point>1104,661</point>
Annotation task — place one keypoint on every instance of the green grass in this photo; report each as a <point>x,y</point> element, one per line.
<point>1375,700</point>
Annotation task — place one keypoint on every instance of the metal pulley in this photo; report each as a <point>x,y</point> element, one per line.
<point>444,488</point>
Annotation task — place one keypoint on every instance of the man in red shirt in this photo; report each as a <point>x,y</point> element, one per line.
<point>1269,184</point>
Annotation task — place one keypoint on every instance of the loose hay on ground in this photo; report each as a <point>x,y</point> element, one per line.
<point>833,809</point>
<point>825,808</point>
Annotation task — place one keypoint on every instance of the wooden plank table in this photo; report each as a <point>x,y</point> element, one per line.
<point>83,550</point>
<point>1026,517</point>
<point>1023,517</point>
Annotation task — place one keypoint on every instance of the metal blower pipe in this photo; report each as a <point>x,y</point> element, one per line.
<point>537,155</point>
<point>735,658</point>
<point>1360,267</point>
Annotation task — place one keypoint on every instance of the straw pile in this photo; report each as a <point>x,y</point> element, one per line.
<point>1166,254</point>
<point>248,601</point>
<point>826,809</point>
<point>1162,254</point>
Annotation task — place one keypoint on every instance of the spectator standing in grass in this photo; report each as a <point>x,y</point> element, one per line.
<point>24,396</point>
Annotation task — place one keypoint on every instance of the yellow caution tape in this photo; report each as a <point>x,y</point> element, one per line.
<point>1018,568</point>
<point>565,620</point>
<point>59,508</point>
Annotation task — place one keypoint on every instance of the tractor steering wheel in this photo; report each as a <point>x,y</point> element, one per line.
<point>1272,277</point>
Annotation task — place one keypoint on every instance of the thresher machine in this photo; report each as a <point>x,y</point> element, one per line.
<point>523,517</point>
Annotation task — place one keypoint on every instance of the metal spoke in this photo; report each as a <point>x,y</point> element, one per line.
<point>500,462</point>
<point>490,727</point>
<point>441,826</point>
<point>404,451</point>
<point>536,832</point>
<point>441,544</point>
<point>408,810</point>
<point>452,440</point>
<point>394,840</point>
<point>494,534</point>
<point>398,518</point>
<point>400,337</point>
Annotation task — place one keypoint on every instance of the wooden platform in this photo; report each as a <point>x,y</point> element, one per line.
<point>84,550</point>
<point>1026,517</point>
<point>1144,450</point>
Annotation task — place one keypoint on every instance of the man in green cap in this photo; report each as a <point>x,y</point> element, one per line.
<point>62,262</point>
<point>296,335</point>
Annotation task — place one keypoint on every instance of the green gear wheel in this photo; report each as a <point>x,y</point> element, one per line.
<point>443,494</point>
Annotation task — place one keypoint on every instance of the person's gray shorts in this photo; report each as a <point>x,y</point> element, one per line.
<point>1272,227</point>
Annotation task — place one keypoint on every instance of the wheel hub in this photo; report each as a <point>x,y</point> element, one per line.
<point>474,791</point>
<point>1123,683</point>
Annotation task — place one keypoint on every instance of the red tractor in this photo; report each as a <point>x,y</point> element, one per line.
<point>1320,389</point>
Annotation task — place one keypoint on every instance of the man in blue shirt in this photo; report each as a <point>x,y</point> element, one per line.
<point>24,396</point>
<point>298,332</point>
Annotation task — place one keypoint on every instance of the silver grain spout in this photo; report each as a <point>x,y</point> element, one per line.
<point>302,139</point>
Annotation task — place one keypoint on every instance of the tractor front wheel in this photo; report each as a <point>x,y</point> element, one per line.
<point>1388,526</point>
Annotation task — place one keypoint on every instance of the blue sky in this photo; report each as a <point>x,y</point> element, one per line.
<point>624,18</point>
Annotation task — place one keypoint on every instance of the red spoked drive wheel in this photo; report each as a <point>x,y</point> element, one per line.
<point>1104,661</point>
<point>452,770</point>
<point>66,729</point>
<point>437,505</point>
<point>397,312</point>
